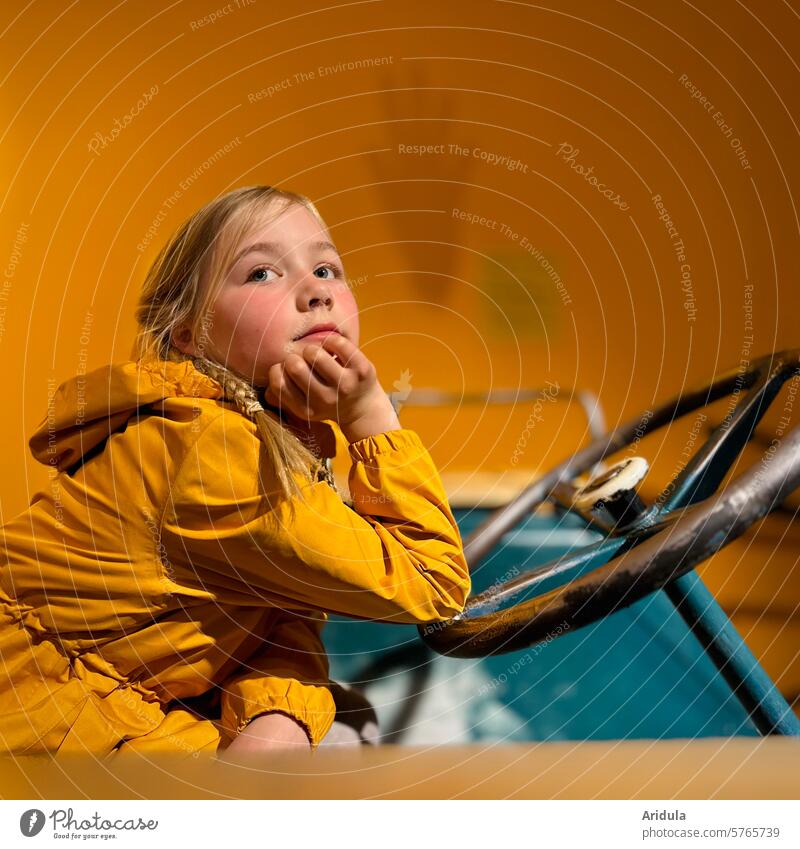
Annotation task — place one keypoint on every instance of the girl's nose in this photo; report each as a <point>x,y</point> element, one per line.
<point>316,293</point>
<point>326,300</point>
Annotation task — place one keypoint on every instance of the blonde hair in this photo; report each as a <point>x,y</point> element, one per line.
<point>179,290</point>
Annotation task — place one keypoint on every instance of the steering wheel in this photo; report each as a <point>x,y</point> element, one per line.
<point>645,547</point>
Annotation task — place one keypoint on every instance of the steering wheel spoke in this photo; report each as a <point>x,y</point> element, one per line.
<point>711,462</point>
<point>564,568</point>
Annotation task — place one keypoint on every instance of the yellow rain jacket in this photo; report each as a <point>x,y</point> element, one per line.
<point>155,568</point>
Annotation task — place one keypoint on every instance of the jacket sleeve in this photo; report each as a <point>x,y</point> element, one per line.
<point>289,675</point>
<point>396,555</point>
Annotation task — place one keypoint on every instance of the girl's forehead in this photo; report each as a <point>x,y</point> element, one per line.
<point>297,221</point>
<point>279,223</point>
<point>238,231</point>
<point>292,226</point>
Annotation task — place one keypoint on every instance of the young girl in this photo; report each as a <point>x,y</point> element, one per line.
<point>192,540</point>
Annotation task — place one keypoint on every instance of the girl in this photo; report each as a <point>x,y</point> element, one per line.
<point>192,540</point>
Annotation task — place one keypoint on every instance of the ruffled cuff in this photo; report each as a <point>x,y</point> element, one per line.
<point>311,705</point>
<point>404,439</point>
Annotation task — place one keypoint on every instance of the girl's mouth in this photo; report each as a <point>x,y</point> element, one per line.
<point>318,331</point>
<point>319,334</point>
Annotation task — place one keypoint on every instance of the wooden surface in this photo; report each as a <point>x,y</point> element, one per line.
<point>675,769</point>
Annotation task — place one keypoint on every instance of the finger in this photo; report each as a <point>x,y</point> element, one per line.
<point>291,395</point>
<point>299,372</point>
<point>323,366</point>
<point>348,354</point>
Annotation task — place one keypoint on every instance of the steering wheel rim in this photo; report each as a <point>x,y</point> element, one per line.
<point>689,523</point>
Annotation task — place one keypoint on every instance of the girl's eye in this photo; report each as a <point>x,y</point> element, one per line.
<point>261,270</point>
<point>334,270</point>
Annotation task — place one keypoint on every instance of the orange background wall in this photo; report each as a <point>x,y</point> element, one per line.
<point>264,94</point>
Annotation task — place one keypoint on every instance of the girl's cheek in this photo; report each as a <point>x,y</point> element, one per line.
<point>348,301</point>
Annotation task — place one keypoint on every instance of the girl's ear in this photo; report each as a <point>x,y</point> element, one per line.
<point>182,339</point>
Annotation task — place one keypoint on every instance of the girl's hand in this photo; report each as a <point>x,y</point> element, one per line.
<point>332,379</point>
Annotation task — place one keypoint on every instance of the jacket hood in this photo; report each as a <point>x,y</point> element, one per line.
<point>85,410</point>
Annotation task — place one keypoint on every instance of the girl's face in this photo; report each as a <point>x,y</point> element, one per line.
<point>286,277</point>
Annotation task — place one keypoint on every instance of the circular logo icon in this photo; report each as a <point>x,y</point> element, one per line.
<point>31,822</point>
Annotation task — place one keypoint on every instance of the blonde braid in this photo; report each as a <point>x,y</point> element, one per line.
<point>234,387</point>
<point>285,451</point>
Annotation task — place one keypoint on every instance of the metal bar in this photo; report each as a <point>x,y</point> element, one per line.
<point>589,402</point>
<point>755,690</point>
